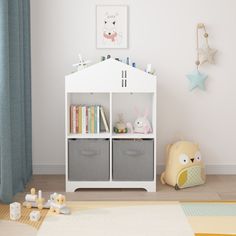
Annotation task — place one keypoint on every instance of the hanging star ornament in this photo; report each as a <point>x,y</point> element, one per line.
<point>206,55</point>
<point>197,79</point>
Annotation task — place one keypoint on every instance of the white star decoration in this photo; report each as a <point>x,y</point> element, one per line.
<point>206,55</point>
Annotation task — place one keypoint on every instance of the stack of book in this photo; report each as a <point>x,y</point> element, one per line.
<point>86,119</point>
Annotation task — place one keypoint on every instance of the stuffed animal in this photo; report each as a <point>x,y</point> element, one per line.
<point>184,165</point>
<point>141,124</point>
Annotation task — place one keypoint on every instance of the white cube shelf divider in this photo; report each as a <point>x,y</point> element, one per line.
<point>118,88</point>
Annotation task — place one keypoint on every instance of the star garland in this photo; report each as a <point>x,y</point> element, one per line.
<point>204,55</point>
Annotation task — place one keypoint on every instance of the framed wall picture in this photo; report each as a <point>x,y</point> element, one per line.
<point>112,24</point>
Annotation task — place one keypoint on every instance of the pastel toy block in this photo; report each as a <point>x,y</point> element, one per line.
<point>35,215</point>
<point>15,211</point>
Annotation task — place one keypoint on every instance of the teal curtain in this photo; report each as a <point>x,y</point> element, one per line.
<point>15,98</point>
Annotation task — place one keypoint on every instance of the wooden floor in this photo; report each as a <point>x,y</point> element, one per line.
<point>218,187</point>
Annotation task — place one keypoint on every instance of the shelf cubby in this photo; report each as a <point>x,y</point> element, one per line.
<point>89,99</point>
<point>132,106</point>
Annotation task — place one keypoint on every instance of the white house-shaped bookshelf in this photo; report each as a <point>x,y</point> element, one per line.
<point>108,159</point>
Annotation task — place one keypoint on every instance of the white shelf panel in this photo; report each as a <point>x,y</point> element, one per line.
<point>133,136</point>
<point>71,186</point>
<point>84,136</point>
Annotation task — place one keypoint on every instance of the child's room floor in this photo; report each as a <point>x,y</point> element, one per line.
<point>217,187</point>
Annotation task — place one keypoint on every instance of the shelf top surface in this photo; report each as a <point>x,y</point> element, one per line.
<point>106,65</point>
<point>110,76</point>
<point>109,135</point>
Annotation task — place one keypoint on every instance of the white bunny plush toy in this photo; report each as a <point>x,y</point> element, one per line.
<point>141,124</point>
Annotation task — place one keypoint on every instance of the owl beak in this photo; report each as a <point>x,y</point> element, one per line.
<point>192,159</point>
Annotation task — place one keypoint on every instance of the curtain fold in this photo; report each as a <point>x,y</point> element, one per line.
<point>15,98</point>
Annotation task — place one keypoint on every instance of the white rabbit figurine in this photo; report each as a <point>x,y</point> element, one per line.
<point>141,124</point>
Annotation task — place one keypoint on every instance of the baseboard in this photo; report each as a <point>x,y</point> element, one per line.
<point>60,169</point>
<point>48,169</point>
<point>221,169</point>
<point>211,169</point>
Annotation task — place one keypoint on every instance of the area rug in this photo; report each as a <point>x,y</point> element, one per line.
<point>132,218</point>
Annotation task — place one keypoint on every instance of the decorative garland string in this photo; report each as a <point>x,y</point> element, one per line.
<point>200,26</point>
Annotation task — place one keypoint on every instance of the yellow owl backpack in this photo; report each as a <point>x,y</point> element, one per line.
<point>184,166</point>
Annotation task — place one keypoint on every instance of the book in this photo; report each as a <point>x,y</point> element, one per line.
<point>89,117</point>
<point>104,119</point>
<point>74,119</point>
<point>77,119</point>
<point>83,119</point>
<point>80,119</point>
<point>87,120</point>
<point>71,119</point>
<point>95,119</point>
<point>92,119</point>
<point>98,119</point>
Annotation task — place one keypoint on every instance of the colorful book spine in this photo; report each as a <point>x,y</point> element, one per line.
<point>74,119</point>
<point>87,120</point>
<point>77,119</point>
<point>89,115</point>
<point>92,119</point>
<point>83,120</point>
<point>80,119</point>
<point>98,119</point>
<point>71,119</point>
<point>95,119</point>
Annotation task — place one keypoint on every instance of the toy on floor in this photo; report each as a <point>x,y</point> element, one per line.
<point>184,165</point>
<point>35,215</point>
<point>33,200</point>
<point>58,204</point>
<point>141,124</point>
<point>36,201</point>
<point>120,126</point>
<point>15,211</point>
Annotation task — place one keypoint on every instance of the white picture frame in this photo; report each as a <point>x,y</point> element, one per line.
<point>112,26</point>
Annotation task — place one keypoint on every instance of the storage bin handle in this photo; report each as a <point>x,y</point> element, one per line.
<point>133,153</point>
<point>89,153</point>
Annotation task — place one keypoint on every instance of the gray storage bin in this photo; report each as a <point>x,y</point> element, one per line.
<point>88,160</point>
<point>133,160</point>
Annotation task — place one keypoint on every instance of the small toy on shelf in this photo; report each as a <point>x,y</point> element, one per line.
<point>15,211</point>
<point>35,216</point>
<point>120,126</point>
<point>141,124</point>
<point>149,69</point>
<point>81,64</point>
<point>58,204</point>
<point>184,165</point>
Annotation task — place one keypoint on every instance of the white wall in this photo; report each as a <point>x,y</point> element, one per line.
<point>161,32</point>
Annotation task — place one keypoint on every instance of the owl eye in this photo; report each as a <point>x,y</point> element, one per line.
<point>198,156</point>
<point>183,159</point>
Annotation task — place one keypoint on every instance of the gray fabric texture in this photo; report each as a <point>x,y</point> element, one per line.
<point>15,98</point>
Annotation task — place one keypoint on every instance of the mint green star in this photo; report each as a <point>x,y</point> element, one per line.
<point>197,79</point>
